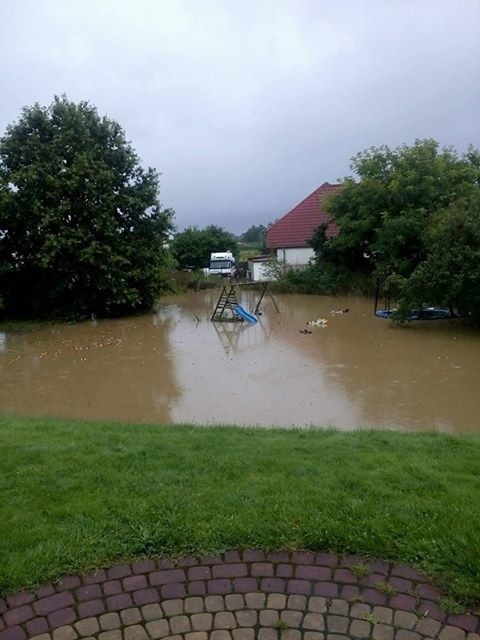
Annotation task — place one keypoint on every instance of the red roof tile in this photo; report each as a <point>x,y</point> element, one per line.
<point>297,226</point>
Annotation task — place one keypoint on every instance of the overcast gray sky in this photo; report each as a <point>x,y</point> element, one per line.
<point>247,106</point>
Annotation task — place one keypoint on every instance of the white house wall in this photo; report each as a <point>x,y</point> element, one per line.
<point>260,271</point>
<point>297,256</point>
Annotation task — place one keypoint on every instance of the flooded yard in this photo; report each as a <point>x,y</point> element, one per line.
<point>177,366</point>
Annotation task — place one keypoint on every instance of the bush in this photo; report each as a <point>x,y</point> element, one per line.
<point>81,227</point>
<point>322,279</point>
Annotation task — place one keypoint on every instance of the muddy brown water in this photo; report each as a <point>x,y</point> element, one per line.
<point>167,367</point>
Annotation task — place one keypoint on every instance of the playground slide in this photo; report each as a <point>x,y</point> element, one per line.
<point>244,314</point>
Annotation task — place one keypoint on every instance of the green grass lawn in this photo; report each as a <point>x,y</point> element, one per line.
<point>248,251</point>
<point>79,495</point>
<point>22,325</point>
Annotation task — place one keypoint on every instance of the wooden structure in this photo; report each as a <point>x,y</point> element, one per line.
<point>227,302</point>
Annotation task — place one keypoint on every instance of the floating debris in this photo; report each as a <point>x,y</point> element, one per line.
<point>321,322</point>
<point>69,347</point>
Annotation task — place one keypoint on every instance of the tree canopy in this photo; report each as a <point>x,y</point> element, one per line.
<point>254,235</point>
<point>193,246</point>
<point>450,273</point>
<point>81,227</point>
<point>402,216</point>
<point>383,215</point>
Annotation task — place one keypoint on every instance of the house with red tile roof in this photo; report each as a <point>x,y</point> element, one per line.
<point>290,234</point>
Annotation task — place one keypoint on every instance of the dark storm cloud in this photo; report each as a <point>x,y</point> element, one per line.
<point>247,107</point>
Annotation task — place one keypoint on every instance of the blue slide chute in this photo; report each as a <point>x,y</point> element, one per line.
<point>240,311</point>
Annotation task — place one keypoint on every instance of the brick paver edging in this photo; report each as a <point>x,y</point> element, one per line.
<point>239,595</point>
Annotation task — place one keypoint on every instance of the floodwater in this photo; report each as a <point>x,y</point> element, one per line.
<point>177,366</point>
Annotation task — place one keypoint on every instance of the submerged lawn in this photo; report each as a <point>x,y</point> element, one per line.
<point>78,495</point>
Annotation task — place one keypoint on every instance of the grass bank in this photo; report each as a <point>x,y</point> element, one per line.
<point>12,326</point>
<point>78,495</point>
<point>247,251</point>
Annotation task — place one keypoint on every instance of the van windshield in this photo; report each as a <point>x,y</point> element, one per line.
<point>220,264</point>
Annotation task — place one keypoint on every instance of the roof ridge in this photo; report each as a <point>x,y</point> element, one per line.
<point>324,184</point>
<point>297,225</point>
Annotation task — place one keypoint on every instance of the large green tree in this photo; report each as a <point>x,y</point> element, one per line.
<point>81,227</point>
<point>384,210</point>
<point>411,215</point>
<point>193,246</point>
<point>450,273</point>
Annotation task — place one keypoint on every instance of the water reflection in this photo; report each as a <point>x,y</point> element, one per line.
<point>178,366</point>
<point>419,377</point>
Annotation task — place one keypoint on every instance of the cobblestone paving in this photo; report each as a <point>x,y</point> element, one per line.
<point>240,595</point>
